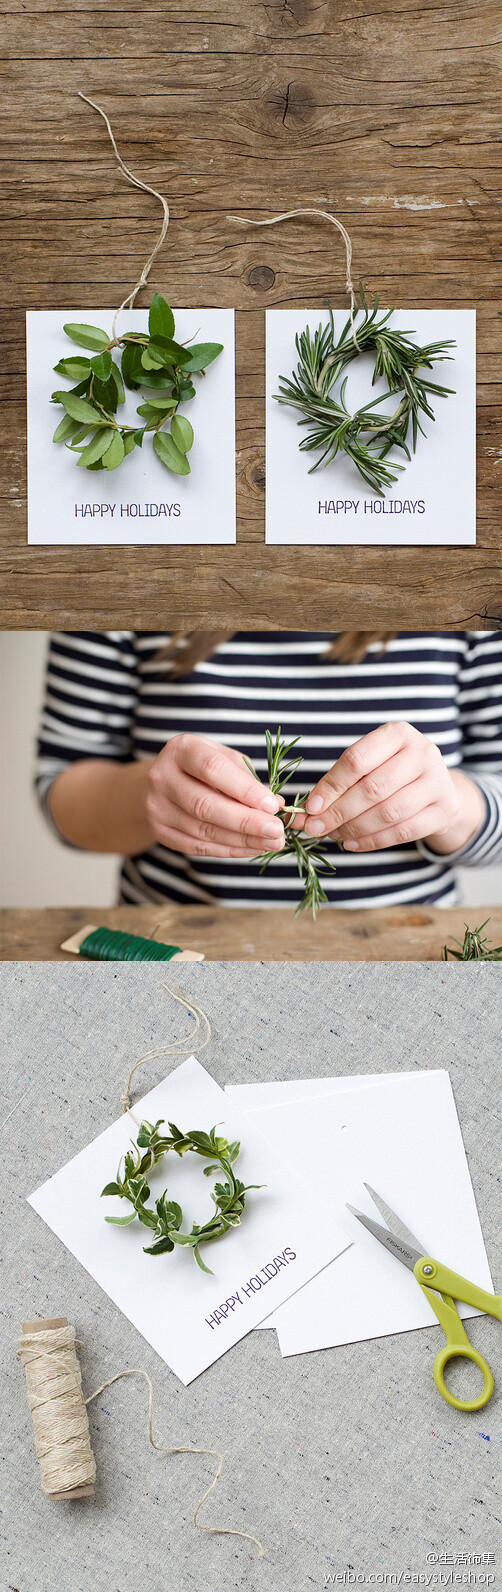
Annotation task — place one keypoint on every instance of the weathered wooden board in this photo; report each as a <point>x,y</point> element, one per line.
<point>389,115</point>
<point>403,934</point>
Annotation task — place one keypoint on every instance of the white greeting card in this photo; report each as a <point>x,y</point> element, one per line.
<point>191,1319</point>
<point>141,501</point>
<point>433,501</point>
<point>403,1137</point>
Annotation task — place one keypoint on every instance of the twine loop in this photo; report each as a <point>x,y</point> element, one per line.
<point>326,215</point>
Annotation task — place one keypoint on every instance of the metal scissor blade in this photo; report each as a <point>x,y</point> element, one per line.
<point>397,1246</point>
<point>393,1221</point>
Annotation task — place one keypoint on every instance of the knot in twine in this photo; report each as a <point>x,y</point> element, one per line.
<point>184,1043</point>
<point>326,215</point>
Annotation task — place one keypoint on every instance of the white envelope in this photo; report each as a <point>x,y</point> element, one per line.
<point>403,1137</point>
<point>189,1318</point>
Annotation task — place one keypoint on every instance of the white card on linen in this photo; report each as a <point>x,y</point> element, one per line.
<point>189,1318</point>
<point>141,501</point>
<point>254,1096</point>
<point>404,1138</point>
<point>433,501</point>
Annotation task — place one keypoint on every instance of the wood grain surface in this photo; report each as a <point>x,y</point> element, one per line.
<point>387,113</point>
<point>396,934</point>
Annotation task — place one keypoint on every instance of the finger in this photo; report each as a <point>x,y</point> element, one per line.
<point>403,804</point>
<point>217,834</point>
<point>358,760</point>
<point>429,822</point>
<point>200,807</point>
<point>371,791</point>
<point>224,769</point>
<point>177,841</point>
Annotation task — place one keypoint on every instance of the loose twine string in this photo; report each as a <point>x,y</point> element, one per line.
<point>287,215</point>
<point>136,183</point>
<point>54,1378</point>
<point>242,221</point>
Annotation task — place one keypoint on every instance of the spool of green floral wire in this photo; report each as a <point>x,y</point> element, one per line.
<point>114,945</point>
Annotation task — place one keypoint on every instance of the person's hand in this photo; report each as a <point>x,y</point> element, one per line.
<point>202,800</point>
<point>391,788</point>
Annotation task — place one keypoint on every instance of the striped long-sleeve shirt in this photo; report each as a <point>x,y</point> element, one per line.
<point>108,696</point>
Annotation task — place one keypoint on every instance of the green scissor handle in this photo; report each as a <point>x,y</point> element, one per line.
<point>450,1286</point>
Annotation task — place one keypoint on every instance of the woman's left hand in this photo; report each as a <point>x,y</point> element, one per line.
<point>392,788</point>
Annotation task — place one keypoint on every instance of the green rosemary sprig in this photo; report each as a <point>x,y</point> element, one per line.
<point>473,947</point>
<point>165,1221</point>
<point>150,360</point>
<point>310,858</point>
<point>368,435</point>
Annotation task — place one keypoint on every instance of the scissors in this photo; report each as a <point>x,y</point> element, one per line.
<point>441,1287</point>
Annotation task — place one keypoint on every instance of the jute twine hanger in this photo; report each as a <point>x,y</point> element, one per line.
<point>136,183</point>
<point>311,210</point>
<point>48,1352</point>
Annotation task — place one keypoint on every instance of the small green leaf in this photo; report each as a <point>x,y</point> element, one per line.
<point>202,354</point>
<point>160,403</point>
<point>161,318</point>
<point>155,382</point>
<point>87,336</point>
<point>115,453</point>
<point>129,441</point>
<point>105,394</point>
<point>102,364</point>
<point>163,1246</point>
<point>116,377</point>
<point>79,409</point>
<point>121,1221</point>
<point>152,358</point>
<point>131,366</point>
<point>75,369</point>
<point>66,428</point>
<point>110,1188</point>
<point>153,417</point>
<point>182,433</point>
<point>169,454</point>
<point>200,1262</point>
<point>96,447</point>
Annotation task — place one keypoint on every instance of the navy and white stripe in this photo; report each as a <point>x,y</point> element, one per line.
<point>108,696</point>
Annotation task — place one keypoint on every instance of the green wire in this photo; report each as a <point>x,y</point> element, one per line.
<point>112,945</point>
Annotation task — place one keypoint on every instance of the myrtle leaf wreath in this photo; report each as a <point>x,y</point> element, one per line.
<point>165,1220</point>
<point>151,360</point>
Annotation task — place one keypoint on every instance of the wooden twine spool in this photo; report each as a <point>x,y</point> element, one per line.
<point>60,1421</point>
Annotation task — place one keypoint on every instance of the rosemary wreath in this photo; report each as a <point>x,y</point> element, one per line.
<point>309,855</point>
<point>165,1221</point>
<point>367,435</point>
<point>150,360</point>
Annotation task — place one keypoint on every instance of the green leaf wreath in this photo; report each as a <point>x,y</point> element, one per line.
<point>165,1220</point>
<point>366,436</point>
<point>152,361</point>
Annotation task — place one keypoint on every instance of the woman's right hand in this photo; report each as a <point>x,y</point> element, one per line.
<point>202,800</point>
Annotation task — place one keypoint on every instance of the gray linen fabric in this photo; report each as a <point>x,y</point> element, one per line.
<point>343,1462</point>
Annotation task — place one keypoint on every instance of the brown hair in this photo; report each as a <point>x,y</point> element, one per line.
<point>185,649</point>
